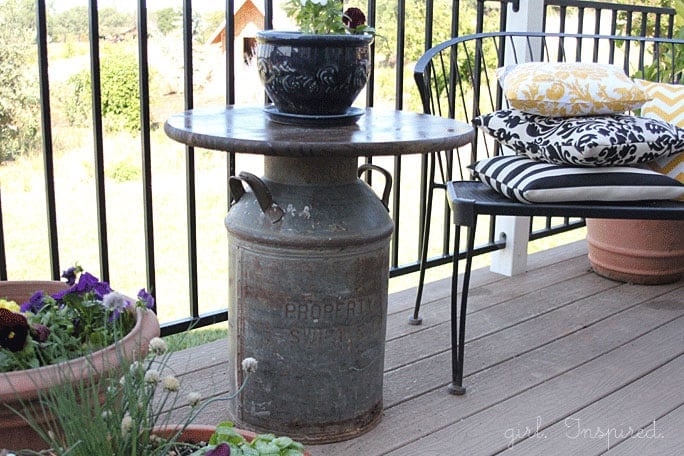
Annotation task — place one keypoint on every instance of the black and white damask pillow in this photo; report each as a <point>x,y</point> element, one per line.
<point>531,181</point>
<point>610,140</point>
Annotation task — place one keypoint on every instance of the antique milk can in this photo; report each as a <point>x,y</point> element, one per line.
<point>308,274</point>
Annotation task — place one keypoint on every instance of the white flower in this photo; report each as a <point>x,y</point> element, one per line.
<point>158,346</point>
<point>106,414</point>
<point>249,365</point>
<point>116,302</point>
<point>157,441</point>
<point>171,383</point>
<point>194,399</point>
<point>126,425</point>
<point>152,377</point>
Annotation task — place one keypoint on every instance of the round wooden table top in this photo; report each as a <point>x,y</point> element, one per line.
<point>376,132</point>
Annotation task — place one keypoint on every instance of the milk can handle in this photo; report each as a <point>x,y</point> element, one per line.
<point>261,192</point>
<point>388,180</point>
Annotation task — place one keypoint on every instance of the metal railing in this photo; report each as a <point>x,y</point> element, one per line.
<point>389,86</point>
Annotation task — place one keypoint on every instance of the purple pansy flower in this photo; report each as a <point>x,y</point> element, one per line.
<point>221,450</point>
<point>13,330</point>
<point>40,332</point>
<point>60,294</point>
<point>147,298</point>
<point>88,282</point>
<point>34,304</point>
<point>70,275</point>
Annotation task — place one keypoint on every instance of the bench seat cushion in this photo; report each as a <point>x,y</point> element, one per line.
<point>530,181</point>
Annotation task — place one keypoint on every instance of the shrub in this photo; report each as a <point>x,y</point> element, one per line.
<point>19,104</point>
<point>119,89</point>
<point>124,171</point>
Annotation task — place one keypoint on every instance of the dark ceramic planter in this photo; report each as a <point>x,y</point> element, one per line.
<point>314,75</point>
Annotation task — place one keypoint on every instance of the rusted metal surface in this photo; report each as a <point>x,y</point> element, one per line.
<point>308,299</point>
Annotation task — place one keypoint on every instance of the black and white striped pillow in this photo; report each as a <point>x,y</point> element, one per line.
<point>531,181</point>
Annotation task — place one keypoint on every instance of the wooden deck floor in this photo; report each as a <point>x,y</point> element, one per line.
<point>558,361</point>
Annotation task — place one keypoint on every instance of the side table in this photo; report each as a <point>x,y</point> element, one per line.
<point>308,262</point>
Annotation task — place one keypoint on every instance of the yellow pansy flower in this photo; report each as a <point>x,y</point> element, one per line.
<point>9,305</point>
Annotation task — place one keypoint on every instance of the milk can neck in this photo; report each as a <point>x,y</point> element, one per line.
<point>311,170</point>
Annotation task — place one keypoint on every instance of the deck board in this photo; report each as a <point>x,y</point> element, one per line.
<point>544,348</point>
<point>657,438</point>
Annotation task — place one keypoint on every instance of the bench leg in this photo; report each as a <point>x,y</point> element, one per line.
<point>415,318</point>
<point>458,324</point>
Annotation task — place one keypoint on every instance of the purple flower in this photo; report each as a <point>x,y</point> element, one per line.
<point>60,294</point>
<point>147,298</point>
<point>34,304</point>
<point>88,282</point>
<point>13,330</point>
<point>353,18</point>
<point>40,332</point>
<point>70,275</point>
<point>221,450</point>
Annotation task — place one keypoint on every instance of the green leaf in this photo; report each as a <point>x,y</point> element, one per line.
<point>267,448</point>
<point>226,433</point>
<point>263,438</point>
<point>248,451</point>
<point>292,452</point>
<point>283,442</point>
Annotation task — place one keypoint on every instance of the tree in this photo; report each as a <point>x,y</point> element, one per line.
<point>414,33</point>
<point>18,91</point>
<point>210,22</point>
<point>114,23</point>
<point>72,23</point>
<point>168,20</point>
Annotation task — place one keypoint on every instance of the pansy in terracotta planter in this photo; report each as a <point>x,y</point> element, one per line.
<point>53,333</point>
<point>133,410</point>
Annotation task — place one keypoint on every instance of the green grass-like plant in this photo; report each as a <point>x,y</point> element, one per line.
<point>120,413</point>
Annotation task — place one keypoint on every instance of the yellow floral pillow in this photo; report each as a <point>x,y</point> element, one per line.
<point>667,104</point>
<point>569,89</point>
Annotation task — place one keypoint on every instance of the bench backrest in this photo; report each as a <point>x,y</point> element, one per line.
<point>457,78</point>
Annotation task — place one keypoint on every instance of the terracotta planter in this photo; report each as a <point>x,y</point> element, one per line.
<point>22,387</point>
<point>646,252</point>
<point>198,433</point>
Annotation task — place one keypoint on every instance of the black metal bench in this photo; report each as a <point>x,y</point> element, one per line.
<point>456,79</point>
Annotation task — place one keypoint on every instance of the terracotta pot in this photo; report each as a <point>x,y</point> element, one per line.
<point>22,387</point>
<point>646,252</point>
<point>197,433</point>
